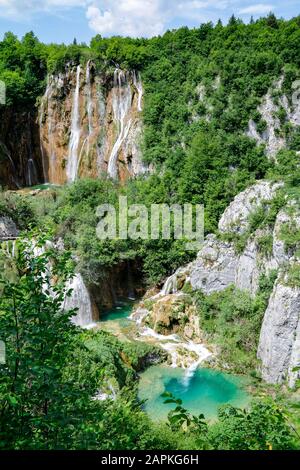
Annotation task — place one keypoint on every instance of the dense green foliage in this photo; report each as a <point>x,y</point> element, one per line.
<point>232,319</point>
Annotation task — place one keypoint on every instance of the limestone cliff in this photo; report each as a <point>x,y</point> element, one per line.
<point>279,344</point>
<point>90,124</point>
<point>219,265</point>
<point>274,104</point>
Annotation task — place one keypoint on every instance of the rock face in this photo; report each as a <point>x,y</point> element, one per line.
<point>168,315</point>
<point>236,216</point>
<point>20,163</point>
<point>90,123</point>
<point>8,228</point>
<point>272,136</point>
<point>215,267</point>
<point>218,265</point>
<point>279,343</point>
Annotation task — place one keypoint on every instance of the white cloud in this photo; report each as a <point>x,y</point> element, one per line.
<point>257,9</point>
<point>135,17</point>
<point>128,17</point>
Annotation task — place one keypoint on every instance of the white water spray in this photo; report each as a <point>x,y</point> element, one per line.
<point>42,110</point>
<point>80,299</point>
<point>122,98</point>
<point>89,99</point>
<point>72,166</point>
<point>138,85</point>
<point>31,172</point>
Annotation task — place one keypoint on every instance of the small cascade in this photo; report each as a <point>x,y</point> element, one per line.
<point>184,354</point>
<point>9,247</point>
<point>110,394</point>
<point>137,81</point>
<point>72,165</point>
<point>122,99</point>
<point>32,175</point>
<point>131,295</point>
<point>139,315</point>
<point>170,286</point>
<point>80,299</point>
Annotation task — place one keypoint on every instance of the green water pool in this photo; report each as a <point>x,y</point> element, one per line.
<point>203,393</point>
<point>118,313</point>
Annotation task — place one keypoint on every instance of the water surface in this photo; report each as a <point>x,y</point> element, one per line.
<point>203,393</point>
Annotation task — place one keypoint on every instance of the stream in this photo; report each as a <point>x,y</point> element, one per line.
<point>202,390</point>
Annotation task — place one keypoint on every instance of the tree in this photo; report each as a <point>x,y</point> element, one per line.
<point>262,427</point>
<point>37,334</point>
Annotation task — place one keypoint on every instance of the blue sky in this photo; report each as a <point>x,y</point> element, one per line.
<point>62,20</point>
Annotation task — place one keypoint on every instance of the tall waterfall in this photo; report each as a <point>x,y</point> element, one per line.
<point>122,98</point>
<point>51,128</point>
<point>89,99</point>
<point>138,85</point>
<point>80,299</point>
<point>72,166</point>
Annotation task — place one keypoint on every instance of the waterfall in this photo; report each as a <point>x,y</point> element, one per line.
<point>42,110</point>
<point>170,286</point>
<point>31,172</point>
<point>80,299</point>
<point>138,85</point>
<point>10,248</point>
<point>72,165</point>
<point>89,98</point>
<point>5,151</point>
<point>51,124</point>
<point>131,295</point>
<point>122,98</point>
<point>185,354</point>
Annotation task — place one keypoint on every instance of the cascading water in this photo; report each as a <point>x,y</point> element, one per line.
<point>72,166</point>
<point>42,110</point>
<point>89,100</point>
<point>170,286</point>
<point>138,85</point>
<point>185,354</point>
<point>80,299</point>
<point>10,248</point>
<point>51,128</point>
<point>122,98</point>
<point>32,174</point>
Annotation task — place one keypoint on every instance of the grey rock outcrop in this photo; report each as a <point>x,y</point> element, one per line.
<point>272,136</point>
<point>218,266</point>
<point>8,228</point>
<point>289,217</point>
<point>279,343</point>
<point>215,267</point>
<point>236,217</point>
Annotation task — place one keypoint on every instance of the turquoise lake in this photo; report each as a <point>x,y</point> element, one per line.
<point>205,392</point>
